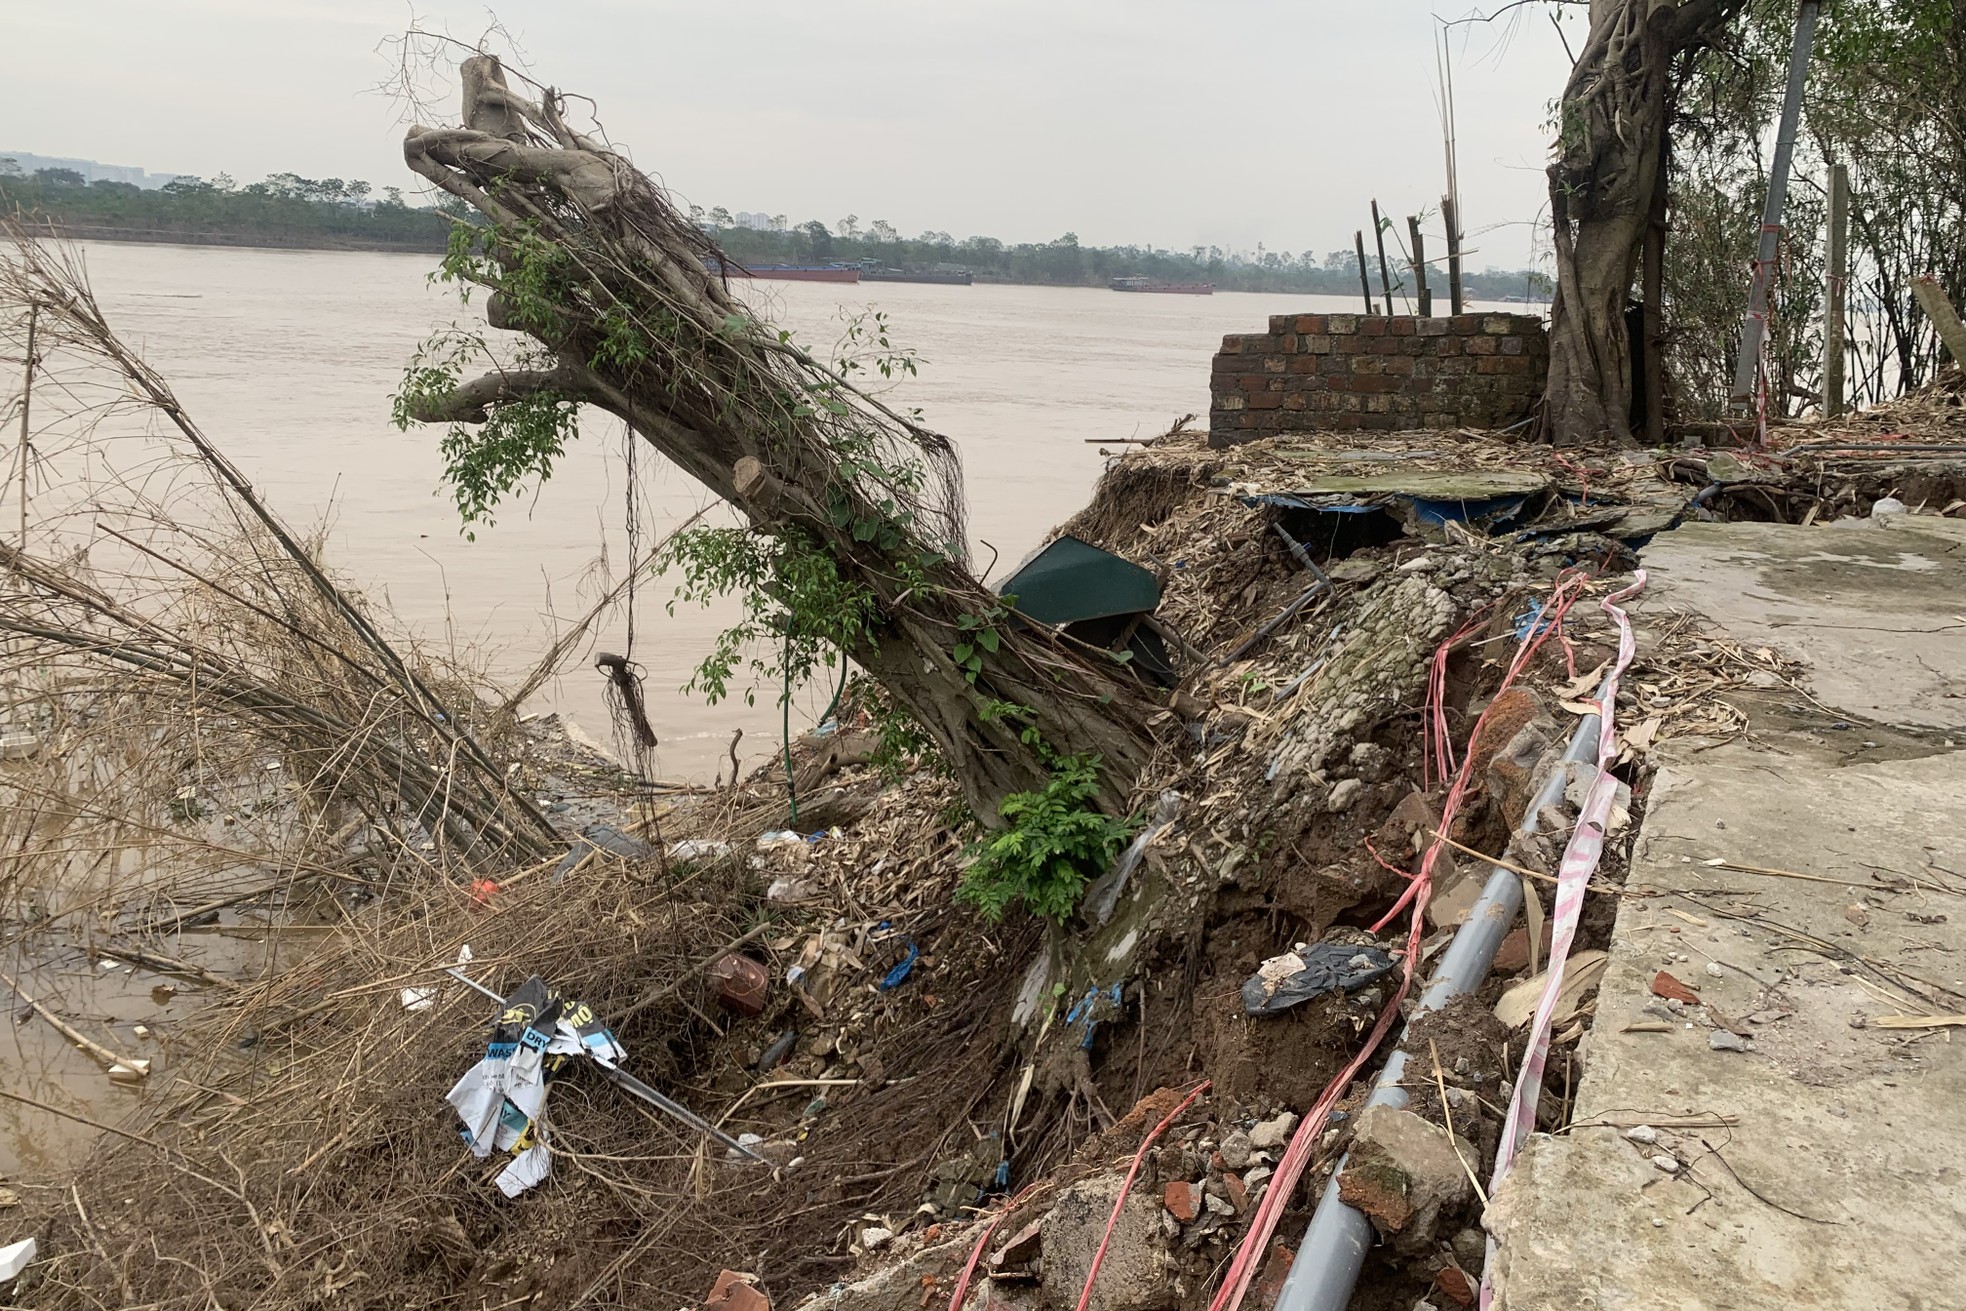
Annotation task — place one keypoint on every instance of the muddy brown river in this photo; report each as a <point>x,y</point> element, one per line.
<point>288,360</point>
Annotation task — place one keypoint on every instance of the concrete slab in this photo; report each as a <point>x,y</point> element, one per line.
<point>1798,1149</point>
<point>1825,1166</point>
<point>1877,608</point>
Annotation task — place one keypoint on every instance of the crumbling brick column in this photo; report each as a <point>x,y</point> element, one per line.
<point>1346,372</point>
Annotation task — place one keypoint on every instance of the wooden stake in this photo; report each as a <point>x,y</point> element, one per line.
<point>26,399</point>
<point>1839,279</point>
<point>1364,278</point>
<point>1450,214</point>
<point>1385,276</point>
<point>1420,267</point>
<point>1652,292</point>
<point>1938,308</point>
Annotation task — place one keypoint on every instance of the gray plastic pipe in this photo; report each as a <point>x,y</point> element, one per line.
<point>1328,1260</point>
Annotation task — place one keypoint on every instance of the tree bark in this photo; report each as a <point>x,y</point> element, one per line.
<point>1613,118</point>
<point>772,431</point>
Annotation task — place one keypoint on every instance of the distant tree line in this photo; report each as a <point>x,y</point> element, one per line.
<point>1066,262</point>
<point>283,210</point>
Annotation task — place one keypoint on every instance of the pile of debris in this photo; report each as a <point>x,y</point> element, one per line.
<point>942,1103</point>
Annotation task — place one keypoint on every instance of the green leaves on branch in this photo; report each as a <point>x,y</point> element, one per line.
<point>798,611</point>
<point>483,463</point>
<point>1057,842</point>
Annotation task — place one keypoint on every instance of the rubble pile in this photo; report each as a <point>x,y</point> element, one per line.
<point>944,1102</point>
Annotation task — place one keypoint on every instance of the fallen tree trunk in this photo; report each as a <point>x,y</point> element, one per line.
<point>587,257</point>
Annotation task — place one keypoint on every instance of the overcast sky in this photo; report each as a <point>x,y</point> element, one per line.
<point>1163,122</point>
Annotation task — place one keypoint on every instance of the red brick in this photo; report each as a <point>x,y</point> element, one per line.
<point>1511,345</point>
<point>1465,325</point>
<point>1390,345</point>
<point>1367,366</point>
<point>1252,382</point>
<point>1455,1286</point>
<point>1399,365</point>
<point>1293,400</point>
<point>1183,1201</point>
<point>1268,1284</point>
<point>1342,324</point>
<point>1372,327</point>
<point>1281,323</point>
<point>1275,363</point>
<point>1266,400</point>
<point>1479,346</point>
<point>1301,364</point>
<point>1448,346</point>
<point>1232,344</point>
<point>1316,343</point>
<point>1400,327</point>
<point>1491,364</point>
<point>735,1292</point>
<point>1311,322</point>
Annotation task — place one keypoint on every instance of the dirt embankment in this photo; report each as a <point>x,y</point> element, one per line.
<point>917,1076</point>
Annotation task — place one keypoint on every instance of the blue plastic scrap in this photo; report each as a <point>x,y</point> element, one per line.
<point>1097,1004</point>
<point>899,974</point>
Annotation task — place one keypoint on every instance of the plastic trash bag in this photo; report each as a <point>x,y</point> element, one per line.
<point>1314,971</point>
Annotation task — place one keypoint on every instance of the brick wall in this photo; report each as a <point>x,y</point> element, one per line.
<point>1359,371</point>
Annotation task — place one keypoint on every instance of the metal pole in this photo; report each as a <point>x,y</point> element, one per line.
<point>1839,279</point>
<point>1328,1260</point>
<point>26,400</point>
<point>1451,212</point>
<point>1385,277</point>
<point>1755,329</point>
<point>1364,278</point>
<point>1426,297</point>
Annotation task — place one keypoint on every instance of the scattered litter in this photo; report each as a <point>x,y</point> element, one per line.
<point>741,983</point>
<point>697,849</point>
<point>1334,965</point>
<point>18,746</point>
<point>788,889</point>
<point>15,1257</point>
<point>1583,973</point>
<point>1886,506</point>
<point>895,977</point>
<point>418,999</point>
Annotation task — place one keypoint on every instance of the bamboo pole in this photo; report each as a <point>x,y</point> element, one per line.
<point>1938,308</point>
<point>1364,277</point>
<point>26,400</point>
<point>1839,279</point>
<point>1426,297</point>
<point>104,1057</point>
<point>1451,214</point>
<point>1385,276</point>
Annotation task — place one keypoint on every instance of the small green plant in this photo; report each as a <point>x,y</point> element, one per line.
<point>1057,842</point>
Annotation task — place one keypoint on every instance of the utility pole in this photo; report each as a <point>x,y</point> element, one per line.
<point>1755,330</point>
<point>1385,277</point>
<point>26,400</point>
<point>1839,279</point>
<point>1420,268</point>
<point>1364,275</point>
<point>1451,214</point>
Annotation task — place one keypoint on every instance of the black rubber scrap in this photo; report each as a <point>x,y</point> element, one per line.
<point>1330,966</point>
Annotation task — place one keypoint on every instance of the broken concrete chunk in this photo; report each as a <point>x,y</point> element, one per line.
<point>1235,1149</point>
<point>1134,1275</point>
<point>1724,1040</point>
<point>1344,795</point>
<point>1404,1173</point>
<point>1268,1135</point>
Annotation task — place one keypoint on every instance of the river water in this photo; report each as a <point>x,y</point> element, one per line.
<point>288,359</point>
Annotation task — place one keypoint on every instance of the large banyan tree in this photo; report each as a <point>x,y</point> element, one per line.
<point>855,509</point>
<point>1607,186</point>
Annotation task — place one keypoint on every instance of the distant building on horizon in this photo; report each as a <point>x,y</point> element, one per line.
<point>90,170</point>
